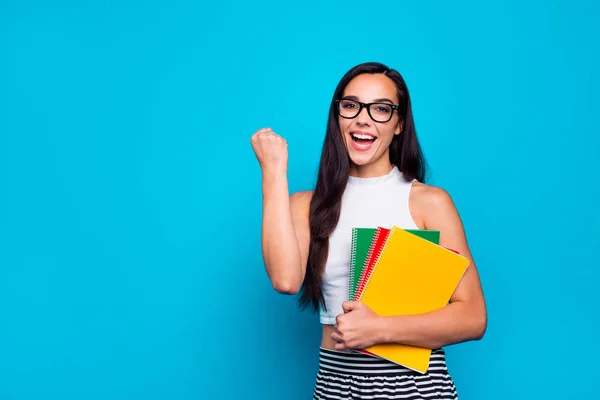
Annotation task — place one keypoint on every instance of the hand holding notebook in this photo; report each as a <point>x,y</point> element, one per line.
<point>357,327</point>
<point>409,275</point>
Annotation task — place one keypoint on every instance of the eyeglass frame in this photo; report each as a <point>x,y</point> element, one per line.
<point>368,107</point>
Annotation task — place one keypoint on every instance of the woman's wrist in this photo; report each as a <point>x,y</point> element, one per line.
<point>384,329</point>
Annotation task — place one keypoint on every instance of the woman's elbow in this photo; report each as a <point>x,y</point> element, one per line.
<point>285,287</point>
<point>480,327</point>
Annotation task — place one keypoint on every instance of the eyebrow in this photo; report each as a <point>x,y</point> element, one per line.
<point>380,100</point>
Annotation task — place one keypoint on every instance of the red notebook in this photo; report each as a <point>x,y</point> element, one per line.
<point>379,239</point>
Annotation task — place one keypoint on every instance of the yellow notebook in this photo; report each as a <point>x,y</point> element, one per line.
<point>411,276</point>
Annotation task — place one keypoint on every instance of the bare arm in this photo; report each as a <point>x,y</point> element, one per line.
<point>285,234</point>
<point>465,318</point>
<point>285,227</point>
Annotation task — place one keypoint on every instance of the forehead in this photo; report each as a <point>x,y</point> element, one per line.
<point>368,87</point>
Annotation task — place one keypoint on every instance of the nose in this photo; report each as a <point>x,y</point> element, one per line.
<point>363,117</point>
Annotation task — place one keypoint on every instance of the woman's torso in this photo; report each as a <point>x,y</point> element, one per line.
<point>367,202</point>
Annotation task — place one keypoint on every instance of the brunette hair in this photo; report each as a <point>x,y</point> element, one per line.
<point>405,153</point>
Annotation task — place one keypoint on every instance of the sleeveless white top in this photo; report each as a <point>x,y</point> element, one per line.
<point>366,203</point>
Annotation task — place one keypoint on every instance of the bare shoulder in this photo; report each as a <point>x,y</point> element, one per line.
<point>300,211</point>
<point>430,198</point>
<point>300,208</point>
<point>302,196</point>
<point>300,201</point>
<point>431,206</point>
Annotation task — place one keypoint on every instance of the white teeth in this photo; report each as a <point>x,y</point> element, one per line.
<point>361,136</point>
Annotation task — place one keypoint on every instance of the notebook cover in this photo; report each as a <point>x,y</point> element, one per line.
<point>411,276</point>
<point>376,246</point>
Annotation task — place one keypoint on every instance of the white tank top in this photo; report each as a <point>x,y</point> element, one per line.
<point>366,203</point>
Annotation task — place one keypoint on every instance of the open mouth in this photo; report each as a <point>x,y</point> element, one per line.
<point>363,139</point>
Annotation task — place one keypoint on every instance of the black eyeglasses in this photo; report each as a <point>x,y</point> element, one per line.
<point>379,112</point>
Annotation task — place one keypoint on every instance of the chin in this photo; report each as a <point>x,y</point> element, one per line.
<point>361,158</point>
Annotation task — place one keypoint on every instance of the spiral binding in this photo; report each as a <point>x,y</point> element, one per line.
<point>368,259</point>
<point>365,282</point>
<point>352,262</point>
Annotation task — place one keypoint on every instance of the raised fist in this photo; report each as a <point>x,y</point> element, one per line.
<point>270,150</point>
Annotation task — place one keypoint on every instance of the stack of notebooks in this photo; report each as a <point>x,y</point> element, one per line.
<point>402,272</point>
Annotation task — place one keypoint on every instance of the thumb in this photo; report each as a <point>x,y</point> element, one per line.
<point>350,305</point>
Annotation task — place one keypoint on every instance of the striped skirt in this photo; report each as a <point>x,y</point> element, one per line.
<point>344,375</point>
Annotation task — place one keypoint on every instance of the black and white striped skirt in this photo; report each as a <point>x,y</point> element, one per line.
<point>345,375</point>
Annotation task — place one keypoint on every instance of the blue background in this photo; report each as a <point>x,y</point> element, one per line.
<point>130,198</point>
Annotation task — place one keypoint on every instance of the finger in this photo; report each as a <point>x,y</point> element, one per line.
<point>268,134</point>
<point>341,346</point>
<point>349,305</point>
<point>336,337</point>
<point>258,132</point>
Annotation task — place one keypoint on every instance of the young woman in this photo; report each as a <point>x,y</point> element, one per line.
<point>371,174</point>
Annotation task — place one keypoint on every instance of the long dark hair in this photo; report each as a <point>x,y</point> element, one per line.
<point>405,153</point>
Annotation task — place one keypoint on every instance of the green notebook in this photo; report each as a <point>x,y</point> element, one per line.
<point>361,244</point>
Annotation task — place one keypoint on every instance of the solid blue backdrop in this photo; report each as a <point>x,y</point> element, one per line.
<point>130,198</point>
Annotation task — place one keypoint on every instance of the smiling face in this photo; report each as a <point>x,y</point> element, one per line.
<point>368,137</point>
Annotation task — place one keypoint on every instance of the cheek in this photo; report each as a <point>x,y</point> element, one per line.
<point>387,132</point>
<point>344,125</point>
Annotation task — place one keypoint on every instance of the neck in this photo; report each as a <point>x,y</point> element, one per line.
<point>383,167</point>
